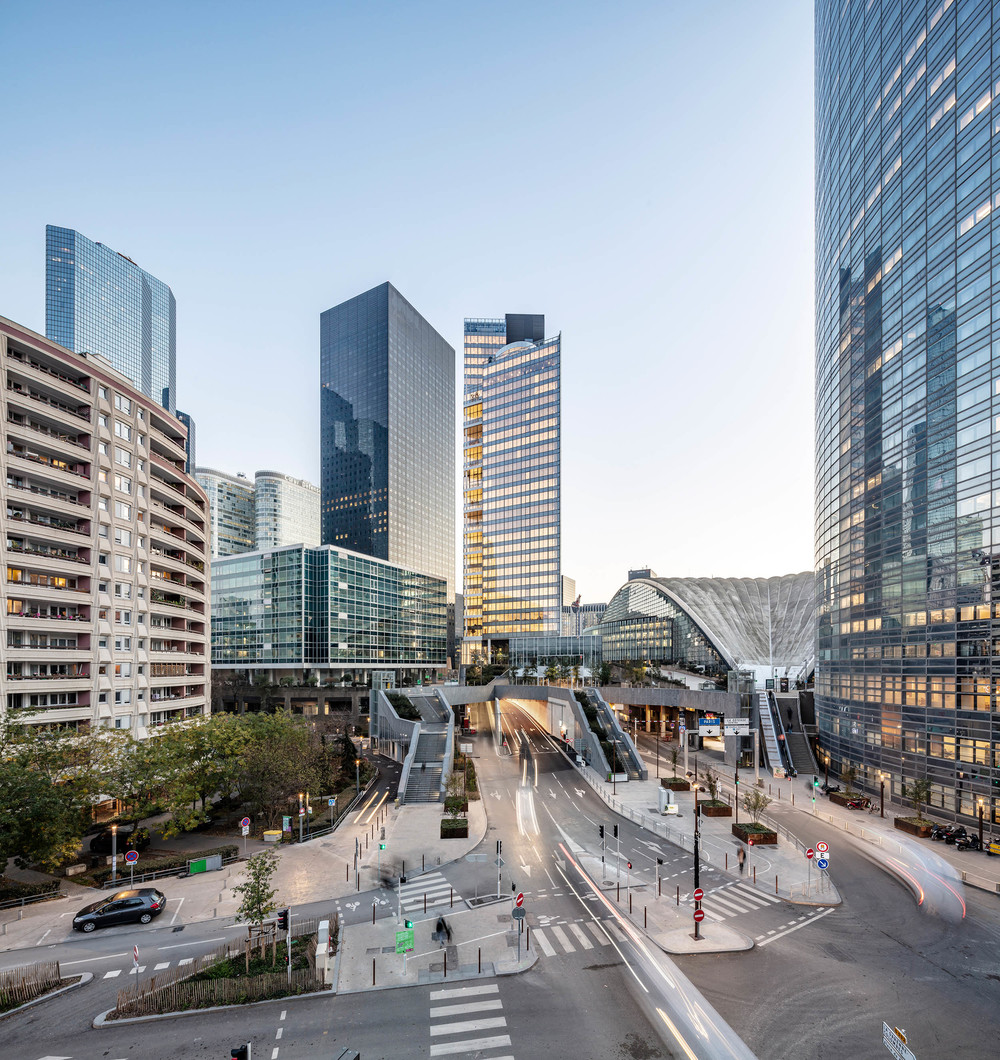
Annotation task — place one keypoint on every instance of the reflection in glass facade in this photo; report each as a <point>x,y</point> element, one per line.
<point>544,650</point>
<point>325,608</point>
<point>387,442</point>
<point>907,398</point>
<point>511,445</point>
<point>99,301</point>
<point>286,511</point>
<point>719,624</point>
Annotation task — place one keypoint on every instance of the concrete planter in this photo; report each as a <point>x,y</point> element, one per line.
<point>451,829</point>
<point>708,810</point>
<point>675,784</point>
<point>840,799</point>
<point>761,837</point>
<point>908,824</point>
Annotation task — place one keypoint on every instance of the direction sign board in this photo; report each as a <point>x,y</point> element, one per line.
<point>245,823</point>
<point>698,894</point>
<point>302,811</point>
<point>699,915</point>
<point>895,1044</point>
<point>736,727</point>
<point>517,913</point>
<point>519,900</point>
<point>404,941</point>
<point>810,853</point>
<point>822,863</point>
<point>822,848</point>
<point>330,802</point>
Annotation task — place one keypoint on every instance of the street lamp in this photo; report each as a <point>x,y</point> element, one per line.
<point>614,769</point>
<point>697,859</point>
<point>881,795</point>
<point>826,769</point>
<point>114,853</point>
<point>357,775</point>
<point>301,816</point>
<point>659,725</point>
<point>980,824</point>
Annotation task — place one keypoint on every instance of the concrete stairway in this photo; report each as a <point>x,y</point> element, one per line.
<point>424,783</point>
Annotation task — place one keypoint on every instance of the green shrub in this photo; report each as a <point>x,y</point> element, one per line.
<point>176,861</point>
<point>11,889</point>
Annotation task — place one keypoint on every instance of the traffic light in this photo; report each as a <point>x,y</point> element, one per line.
<point>283,919</point>
<point>240,1052</point>
<point>629,863</point>
<point>600,829</point>
<point>815,781</point>
<point>616,831</point>
<point>402,880</point>
<point>659,861</point>
<point>408,924</point>
<point>381,846</point>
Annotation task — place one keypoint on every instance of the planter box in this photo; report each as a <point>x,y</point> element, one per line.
<point>907,824</point>
<point>840,799</point>
<point>715,811</point>
<point>760,838</point>
<point>675,784</point>
<point>454,829</point>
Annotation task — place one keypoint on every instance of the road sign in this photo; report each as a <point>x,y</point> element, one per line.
<point>245,829</point>
<point>404,941</point>
<point>822,863</point>
<point>499,862</point>
<point>822,847</point>
<point>895,1042</point>
<point>131,856</point>
<point>517,914</point>
<point>245,823</point>
<point>736,727</point>
<point>810,853</point>
<point>135,956</point>
<point>330,802</point>
<point>302,811</point>
<point>699,915</point>
<point>698,894</point>
<point>519,900</point>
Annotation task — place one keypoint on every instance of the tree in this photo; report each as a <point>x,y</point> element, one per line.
<point>576,674</point>
<point>257,896</point>
<point>674,752</point>
<point>602,674</point>
<point>849,776</point>
<point>41,822</point>
<point>755,802</point>
<point>712,783</point>
<point>551,673</point>
<point>919,793</point>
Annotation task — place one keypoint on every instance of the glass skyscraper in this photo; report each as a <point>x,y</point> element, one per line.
<point>908,396</point>
<point>286,510</point>
<point>231,511</point>
<point>99,301</point>
<point>511,489</point>
<point>387,433</point>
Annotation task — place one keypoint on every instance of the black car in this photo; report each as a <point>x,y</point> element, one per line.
<point>130,837</point>
<point>123,907</point>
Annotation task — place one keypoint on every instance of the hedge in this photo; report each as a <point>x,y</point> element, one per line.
<point>178,861</point>
<point>11,889</point>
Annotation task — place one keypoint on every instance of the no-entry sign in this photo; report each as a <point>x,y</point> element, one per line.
<point>519,900</point>
<point>810,853</point>
<point>698,894</point>
<point>699,915</point>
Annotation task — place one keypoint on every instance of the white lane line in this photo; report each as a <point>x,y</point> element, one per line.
<point>473,1006</point>
<point>87,960</point>
<point>470,1045</point>
<point>795,927</point>
<point>180,902</point>
<point>466,1026</point>
<point>562,938</point>
<point>464,991</point>
<point>281,1030</point>
<point>595,928</point>
<point>137,971</point>
<point>284,1012</point>
<point>113,974</point>
<point>181,945</point>
<point>544,943</point>
<point>274,1053</point>
<point>43,938</point>
<point>584,941</point>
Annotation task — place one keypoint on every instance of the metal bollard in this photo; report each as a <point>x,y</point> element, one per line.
<point>618,897</point>
<point>480,960</point>
<point>446,964</point>
<point>776,883</point>
<point>452,902</point>
<point>527,938</point>
<point>755,875</point>
<point>678,896</point>
<point>373,971</point>
<point>645,918</point>
<point>347,874</point>
<point>425,901</point>
<point>629,903</point>
<point>422,868</point>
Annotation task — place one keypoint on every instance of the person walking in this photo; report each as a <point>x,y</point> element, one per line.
<point>741,857</point>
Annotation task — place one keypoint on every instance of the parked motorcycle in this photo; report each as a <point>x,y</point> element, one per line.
<point>860,802</point>
<point>828,788</point>
<point>955,835</point>
<point>939,831</point>
<point>968,842</point>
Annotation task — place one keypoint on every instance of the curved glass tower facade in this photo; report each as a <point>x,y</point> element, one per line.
<point>908,395</point>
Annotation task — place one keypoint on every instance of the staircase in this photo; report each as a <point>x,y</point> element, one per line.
<point>796,742</point>
<point>771,753</point>
<point>424,784</point>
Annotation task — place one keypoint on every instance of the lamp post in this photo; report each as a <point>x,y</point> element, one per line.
<point>826,769</point>
<point>980,824</point>
<point>114,853</point>
<point>697,859</point>
<point>301,816</point>
<point>881,795</point>
<point>614,769</point>
<point>357,776</point>
<point>659,725</point>
<point>736,795</point>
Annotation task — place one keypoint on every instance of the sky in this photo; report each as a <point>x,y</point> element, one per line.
<point>641,173</point>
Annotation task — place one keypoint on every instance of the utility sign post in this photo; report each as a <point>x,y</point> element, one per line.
<point>895,1041</point>
<point>135,958</point>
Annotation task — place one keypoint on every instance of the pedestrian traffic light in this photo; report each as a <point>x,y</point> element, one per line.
<point>402,880</point>
<point>616,831</point>
<point>659,861</point>
<point>283,919</point>
<point>629,863</point>
<point>815,781</point>
<point>600,829</point>
<point>408,924</point>
<point>240,1052</point>
<point>381,846</point>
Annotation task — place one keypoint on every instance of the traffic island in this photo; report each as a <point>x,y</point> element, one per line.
<point>31,984</point>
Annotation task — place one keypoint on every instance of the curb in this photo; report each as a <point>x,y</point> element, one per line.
<point>102,1020</point>
<point>84,978</point>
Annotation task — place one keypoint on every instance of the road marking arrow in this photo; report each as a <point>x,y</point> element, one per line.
<point>553,795</point>
<point>579,792</point>
<point>526,869</point>
<point>494,794</point>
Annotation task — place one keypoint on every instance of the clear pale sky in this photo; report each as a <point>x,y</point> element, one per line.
<point>641,173</point>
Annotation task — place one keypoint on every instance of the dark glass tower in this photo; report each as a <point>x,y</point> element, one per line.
<point>907,397</point>
<point>99,301</point>
<point>387,433</point>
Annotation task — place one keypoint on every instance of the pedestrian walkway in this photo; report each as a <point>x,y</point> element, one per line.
<point>582,935</point>
<point>732,899</point>
<point>427,892</point>
<point>468,1020</point>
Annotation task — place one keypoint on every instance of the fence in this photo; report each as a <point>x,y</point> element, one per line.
<point>343,804</point>
<point>127,878</point>
<point>19,985</point>
<point>30,899</point>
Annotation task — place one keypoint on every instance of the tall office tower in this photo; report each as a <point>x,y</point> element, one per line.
<point>231,511</point>
<point>387,442</point>
<point>189,443</point>
<point>105,594</point>
<point>511,446</point>
<point>907,442</point>
<point>99,301</point>
<point>286,511</point>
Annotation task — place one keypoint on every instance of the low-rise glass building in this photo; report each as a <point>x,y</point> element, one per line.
<point>298,608</point>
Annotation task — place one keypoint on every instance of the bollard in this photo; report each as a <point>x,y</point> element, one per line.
<point>618,897</point>
<point>645,919</point>
<point>373,912</point>
<point>527,938</point>
<point>347,871</point>
<point>373,971</point>
<point>446,964</point>
<point>793,798</point>
<point>775,883</point>
<point>659,887</point>
<point>422,868</point>
<point>480,960</point>
<point>727,860</point>
<point>678,896</point>
<point>452,902</point>
<point>402,871</point>
<point>425,901</point>
<point>755,875</point>
<point>629,903</point>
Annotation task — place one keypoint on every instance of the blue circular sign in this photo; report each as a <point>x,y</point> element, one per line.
<point>131,856</point>
<point>822,863</point>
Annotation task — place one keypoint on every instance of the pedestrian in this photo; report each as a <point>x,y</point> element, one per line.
<point>447,931</point>
<point>440,932</point>
<point>741,858</point>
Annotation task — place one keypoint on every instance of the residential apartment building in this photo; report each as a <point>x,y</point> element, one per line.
<point>105,590</point>
<point>511,502</point>
<point>387,433</point>
<point>98,301</point>
<point>286,511</point>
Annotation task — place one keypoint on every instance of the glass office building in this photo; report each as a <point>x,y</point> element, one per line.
<point>387,441</point>
<point>286,511</point>
<point>325,608</point>
<point>98,301</point>
<point>907,396</point>
<point>511,488</point>
<point>231,510</point>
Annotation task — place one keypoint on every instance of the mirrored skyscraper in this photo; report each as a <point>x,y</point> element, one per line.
<point>387,433</point>
<point>907,420</point>
<point>99,301</point>
<point>511,446</point>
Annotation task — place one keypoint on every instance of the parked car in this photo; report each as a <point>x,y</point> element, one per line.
<point>130,837</point>
<point>123,907</point>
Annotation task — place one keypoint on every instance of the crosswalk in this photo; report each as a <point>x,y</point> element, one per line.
<point>733,899</point>
<point>162,966</point>
<point>469,1021</point>
<point>571,936</point>
<point>432,885</point>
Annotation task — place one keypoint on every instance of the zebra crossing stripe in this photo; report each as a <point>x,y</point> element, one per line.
<point>594,927</point>
<point>543,943</point>
<point>562,938</point>
<point>464,991</point>
<point>465,1026</point>
<point>730,904</point>
<point>584,941</point>
<point>112,974</point>
<point>470,1045</point>
<point>471,1006</point>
